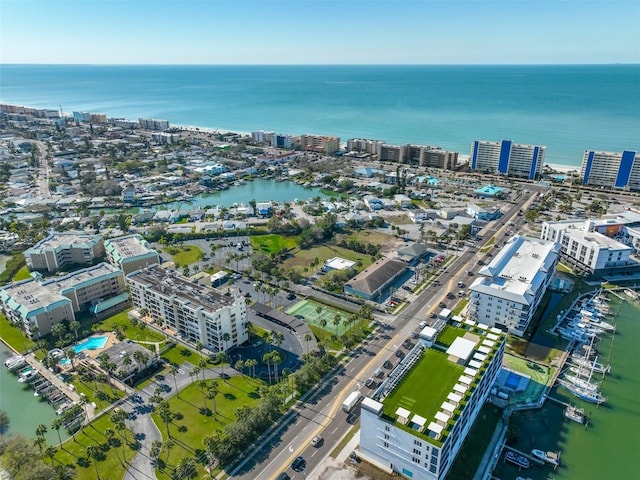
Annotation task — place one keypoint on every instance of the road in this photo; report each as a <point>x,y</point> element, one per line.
<point>43,177</point>
<point>321,415</point>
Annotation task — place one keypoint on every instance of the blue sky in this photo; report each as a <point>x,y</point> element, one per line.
<point>319,32</point>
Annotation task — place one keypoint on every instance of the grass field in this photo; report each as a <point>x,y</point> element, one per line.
<point>185,254</point>
<point>302,258</point>
<point>74,452</point>
<point>138,332</point>
<point>13,336</point>
<point>308,310</point>
<point>178,354</point>
<point>272,243</point>
<point>91,390</point>
<point>22,274</point>
<point>437,377</point>
<point>191,422</point>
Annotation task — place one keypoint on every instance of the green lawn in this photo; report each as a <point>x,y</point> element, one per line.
<point>185,254</point>
<point>437,376</point>
<point>13,336</point>
<point>191,422</point>
<point>457,310</point>
<point>22,274</point>
<point>90,390</point>
<point>74,452</point>
<point>449,334</point>
<point>138,332</point>
<point>178,354</point>
<point>302,258</point>
<point>272,243</point>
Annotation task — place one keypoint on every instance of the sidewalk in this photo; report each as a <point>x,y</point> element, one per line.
<point>338,468</point>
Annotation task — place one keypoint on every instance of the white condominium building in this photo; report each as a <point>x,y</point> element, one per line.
<point>418,418</point>
<point>31,303</point>
<point>59,249</point>
<point>611,169</point>
<point>508,158</point>
<point>130,253</point>
<point>507,292</point>
<point>195,312</point>
<point>584,247</point>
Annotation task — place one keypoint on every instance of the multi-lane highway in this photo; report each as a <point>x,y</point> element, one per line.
<point>321,414</point>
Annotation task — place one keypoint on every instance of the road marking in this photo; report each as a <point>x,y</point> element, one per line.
<point>334,430</point>
<point>291,448</point>
<point>314,452</point>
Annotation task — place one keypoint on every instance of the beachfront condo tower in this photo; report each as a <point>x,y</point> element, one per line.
<point>507,158</point>
<point>611,169</point>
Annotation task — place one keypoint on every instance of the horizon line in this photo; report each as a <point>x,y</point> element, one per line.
<point>318,64</point>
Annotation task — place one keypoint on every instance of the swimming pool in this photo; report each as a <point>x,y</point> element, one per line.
<point>512,381</point>
<point>64,361</point>
<point>91,344</point>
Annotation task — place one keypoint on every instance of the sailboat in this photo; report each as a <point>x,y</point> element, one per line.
<point>581,385</point>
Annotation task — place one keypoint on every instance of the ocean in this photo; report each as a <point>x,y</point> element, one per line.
<point>567,108</point>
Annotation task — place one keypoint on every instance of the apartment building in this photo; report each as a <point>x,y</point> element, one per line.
<point>153,124</point>
<point>34,308</point>
<point>320,143</point>
<point>130,253</point>
<point>365,145</point>
<point>43,304</point>
<point>195,312</point>
<point>507,292</point>
<point>60,249</point>
<point>508,158</point>
<point>418,418</point>
<point>89,287</point>
<point>586,248</point>
<point>611,169</point>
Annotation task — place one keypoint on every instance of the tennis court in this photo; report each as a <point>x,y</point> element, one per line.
<point>307,310</point>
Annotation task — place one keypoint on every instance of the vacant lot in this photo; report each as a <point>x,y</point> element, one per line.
<point>185,255</point>
<point>272,243</point>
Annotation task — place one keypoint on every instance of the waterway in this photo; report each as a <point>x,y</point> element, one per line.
<point>25,411</point>
<point>608,447</point>
<point>260,190</point>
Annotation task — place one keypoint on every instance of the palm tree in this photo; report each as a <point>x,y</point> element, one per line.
<point>141,359</point>
<point>165,414</point>
<point>251,364</point>
<point>212,393</point>
<point>56,425</point>
<point>225,338</point>
<point>40,442</point>
<point>168,445</point>
<point>276,359</point>
<point>50,452</point>
<point>75,326</point>
<point>70,353</point>
<point>126,361</point>
<point>336,321</point>
<point>92,452</point>
<point>266,358</point>
<point>323,322</point>
<point>222,359</point>
<point>186,468</point>
<point>202,364</point>
<point>174,369</point>
<point>307,339</point>
<point>156,448</point>
<point>239,365</point>
<point>41,429</point>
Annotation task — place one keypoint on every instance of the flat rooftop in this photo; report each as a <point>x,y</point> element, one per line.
<point>129,246</point>
<point>30,296</point>
<point>88,275</point>
<point>518,270</point>
<point>171,283</point>
<point>65,240</point>
<point>599,240</point>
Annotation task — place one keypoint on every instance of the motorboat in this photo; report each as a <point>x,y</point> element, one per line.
<point>575,414</point>
<point>517,459</point>
<point>551,458</point>
<point>14,363</point>
<point>28,376</point>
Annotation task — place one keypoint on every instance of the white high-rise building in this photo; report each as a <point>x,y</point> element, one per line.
<point>196,312</point>
<point>508,158</point>
<point>507,292</point>
<point>418,418</point>
<point>611,169</point>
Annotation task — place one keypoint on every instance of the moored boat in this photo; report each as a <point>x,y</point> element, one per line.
<point>551,458</point>
<point>591,396</point>
<point>575,414</point>
<point>517,459</point>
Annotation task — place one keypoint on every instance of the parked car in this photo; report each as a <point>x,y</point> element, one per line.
<point>370,383</point>
<point>407,288</point>
<point>284,476</point>
<point>442,305</point>
<point>299,464</point>
<point>399,353</point>
<point>387,364</point>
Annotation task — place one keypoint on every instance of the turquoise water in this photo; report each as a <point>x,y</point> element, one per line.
<point>25,411</point>
<point>92,343</point>
<point>566,108</point>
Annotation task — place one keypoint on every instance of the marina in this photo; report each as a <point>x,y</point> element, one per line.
<point>586,433</point>
<point>26,411</point>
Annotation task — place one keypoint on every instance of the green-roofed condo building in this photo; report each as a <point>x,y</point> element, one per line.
<point>418,418</point>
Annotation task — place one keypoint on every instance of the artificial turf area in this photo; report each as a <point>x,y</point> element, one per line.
<point>192,421</point>
<point>437,375</point>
